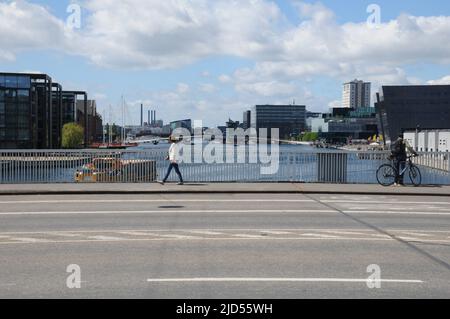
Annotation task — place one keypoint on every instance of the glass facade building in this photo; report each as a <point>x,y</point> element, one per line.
<point>289,119</point>
<point>402,108</point>
<point>33,111</point>
<point>25,107</point>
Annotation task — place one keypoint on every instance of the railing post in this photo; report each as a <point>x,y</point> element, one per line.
<point>332,167</point>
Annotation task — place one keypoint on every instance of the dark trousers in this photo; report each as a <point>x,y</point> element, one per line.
<point>177,170</point>
<point>400,163</point>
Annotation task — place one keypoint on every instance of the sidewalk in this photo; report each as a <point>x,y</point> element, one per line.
<point>228,188</point>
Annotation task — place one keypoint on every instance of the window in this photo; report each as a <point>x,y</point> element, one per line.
<point>10,81</point>
<point>23,95</point>
<point>23,82</point>
<point>2,80</point>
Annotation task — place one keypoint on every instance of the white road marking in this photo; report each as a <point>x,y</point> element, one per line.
<point>416,234</point>
<point>180,236</point>
<point>394,212</point>
<point>290,230</point>
<point>384,202</point>
<point>344,232</point>
<point>150,212</point>
<point>160,201</point>
<point>321,236</point>
<point>210,233</point>
<point>134,233</point>
<point>247,236</point>
<point>103,238</point>
<point>278,233</point>
<point>28,240</point>
<point>409,238</point>
<point>323,280</point>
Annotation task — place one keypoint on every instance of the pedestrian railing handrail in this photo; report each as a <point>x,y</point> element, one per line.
<point>144,165</point>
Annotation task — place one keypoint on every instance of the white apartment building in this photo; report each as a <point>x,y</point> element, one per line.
<point>356,94</point>
<point>429,141</point>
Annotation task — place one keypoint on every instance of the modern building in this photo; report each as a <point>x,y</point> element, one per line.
<point>356,94</point>
<point>186,124</point>
<point>429,140</point>
<point>404,108</point>
<point>289,119</point>
<point>33,110</point>
<point>309,118</point>
<point>26,119</point>
<point>343,125</point>
<point>247,120</point>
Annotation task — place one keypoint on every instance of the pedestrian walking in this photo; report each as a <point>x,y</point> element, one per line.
<point>173,158</point>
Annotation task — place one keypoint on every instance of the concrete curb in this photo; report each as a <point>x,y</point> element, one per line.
<point>392,192</point>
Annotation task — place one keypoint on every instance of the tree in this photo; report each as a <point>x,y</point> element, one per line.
<point>310,137</point>
<point>72,136</point>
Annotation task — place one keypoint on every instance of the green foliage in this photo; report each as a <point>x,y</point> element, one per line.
<point>310,137</point>
<point>72,136</point>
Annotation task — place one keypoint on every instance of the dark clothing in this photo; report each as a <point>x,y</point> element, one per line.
<point>399,149</point>
<point>399,152</point>
<point>399,164</point>
<point>177,170</point>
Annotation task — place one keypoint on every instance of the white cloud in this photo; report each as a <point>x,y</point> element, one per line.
<point>25,26</point>
<point>208,88</point>
<point>154,34</point>
<point>183,88</point>
<point>271,88</point>
<point>442,81</point>
<point>225,79</point>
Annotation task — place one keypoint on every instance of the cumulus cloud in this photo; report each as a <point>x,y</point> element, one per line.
<point>158,34</point>
<point>442,81</point>
<point>154,34</point>
<point>25,26</point>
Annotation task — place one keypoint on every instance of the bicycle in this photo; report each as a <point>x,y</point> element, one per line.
<point>386,173</point>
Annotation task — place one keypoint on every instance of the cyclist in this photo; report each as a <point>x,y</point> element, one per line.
<point>400,149</point>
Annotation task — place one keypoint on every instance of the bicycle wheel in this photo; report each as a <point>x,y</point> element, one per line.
<point>386,175</point>
<point>415,175</point>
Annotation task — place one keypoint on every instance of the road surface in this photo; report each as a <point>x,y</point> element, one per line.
<point>224,246</point>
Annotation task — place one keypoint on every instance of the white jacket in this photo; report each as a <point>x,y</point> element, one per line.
<point>173,153</point>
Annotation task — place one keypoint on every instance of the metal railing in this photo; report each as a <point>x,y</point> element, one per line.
<point>144,166</point>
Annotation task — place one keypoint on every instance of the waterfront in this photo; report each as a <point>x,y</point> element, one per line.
<point>294,163</point>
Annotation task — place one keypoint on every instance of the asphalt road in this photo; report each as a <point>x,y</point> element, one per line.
<point>225,246</point>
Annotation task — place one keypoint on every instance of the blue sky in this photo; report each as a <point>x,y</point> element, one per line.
<point>213,60</point>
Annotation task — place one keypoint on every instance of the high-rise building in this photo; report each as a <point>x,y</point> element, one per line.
<point>356,94</point>
<point>403,108</point>
<point>247,120</point>
<point>289,119</point>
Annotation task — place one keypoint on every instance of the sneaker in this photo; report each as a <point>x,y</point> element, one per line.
<point>161,182</point>
<point>180,183</point>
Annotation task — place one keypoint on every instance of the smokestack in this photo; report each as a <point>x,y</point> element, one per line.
<point>154,116</point>
<point>142,115</point>
<point>149,118</point>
